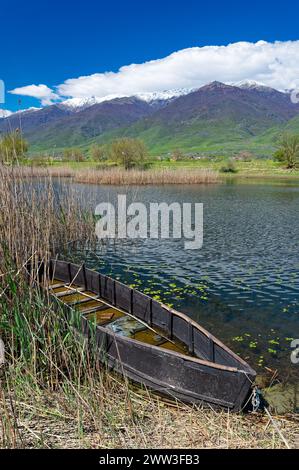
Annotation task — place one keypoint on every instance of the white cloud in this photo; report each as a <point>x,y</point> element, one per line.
<point>41,92</point>
<point>274,64</point>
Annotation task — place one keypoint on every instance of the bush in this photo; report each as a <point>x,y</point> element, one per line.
<point>99,153</point>
<point>230,167</point>
<point>12,148</point>
<point>38,161</point>
<point>73,155</point>
<point>177,155</point>
<point>129,153</point>
<point>288,151</point>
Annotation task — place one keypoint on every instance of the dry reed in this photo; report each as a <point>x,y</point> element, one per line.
<point>119,176</point>
<point>35,220</point>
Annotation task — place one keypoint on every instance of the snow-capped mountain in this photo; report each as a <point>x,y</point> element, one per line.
<point>78,104</point>
<point>32,108</point>
<point>249,84</point>
<point>165,95</point>
<point>155,99</point>
<point>254,85</point>
<point>27,110</point>
<point>246,110</point>
<point>4,113</point>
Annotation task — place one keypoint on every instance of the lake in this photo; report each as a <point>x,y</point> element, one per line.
<point>243,285</point>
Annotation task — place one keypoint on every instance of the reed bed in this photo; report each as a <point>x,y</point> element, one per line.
<point>35,220</point>
<point>53,391</point>
<point>119,176</point>
<point>27,172</point>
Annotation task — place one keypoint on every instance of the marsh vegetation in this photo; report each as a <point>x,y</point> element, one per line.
<point>53,392</point>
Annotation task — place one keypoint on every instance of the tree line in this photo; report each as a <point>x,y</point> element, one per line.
<point>127,152</point>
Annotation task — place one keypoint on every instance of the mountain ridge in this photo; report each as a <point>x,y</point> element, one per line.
<point>214,114</point>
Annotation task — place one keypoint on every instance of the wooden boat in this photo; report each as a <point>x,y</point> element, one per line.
<point>149,342</point>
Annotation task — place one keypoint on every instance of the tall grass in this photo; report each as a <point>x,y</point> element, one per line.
<point>143,177</point>
<point>120,176</point>
<point>35,219</point>
<point>53,391</point>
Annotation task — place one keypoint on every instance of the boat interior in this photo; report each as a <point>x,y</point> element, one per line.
<point>99,311</point>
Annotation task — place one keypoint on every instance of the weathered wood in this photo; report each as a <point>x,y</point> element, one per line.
<point>78,303</point>
<point>211,373</point>
<point>67,292</point>
<point>94,309</point>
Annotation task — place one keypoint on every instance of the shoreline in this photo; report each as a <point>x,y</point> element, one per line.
<point>89,173</point>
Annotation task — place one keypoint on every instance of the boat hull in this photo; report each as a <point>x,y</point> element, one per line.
<point>211,374</point>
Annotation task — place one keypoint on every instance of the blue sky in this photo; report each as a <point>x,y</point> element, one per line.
<point>49,42</point>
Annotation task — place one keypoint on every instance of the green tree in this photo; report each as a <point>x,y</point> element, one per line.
<point>177,155</point>
<point>288,150</point>
<point>73,155</point>
<point>12,147</point>
<point>128,152</point>
<point>99,153</point>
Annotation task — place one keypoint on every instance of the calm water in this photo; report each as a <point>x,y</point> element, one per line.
<point>243,285</point>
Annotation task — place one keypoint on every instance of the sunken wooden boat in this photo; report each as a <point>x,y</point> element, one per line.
<point>149,342</point>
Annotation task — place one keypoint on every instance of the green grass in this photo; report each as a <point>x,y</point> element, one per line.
<point>256,168</point>
<point>206,137</point>
<point>224,135</point>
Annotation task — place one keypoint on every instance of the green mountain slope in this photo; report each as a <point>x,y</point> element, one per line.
<point>216,118</point>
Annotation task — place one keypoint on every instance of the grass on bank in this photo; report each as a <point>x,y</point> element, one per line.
<point>129,153</point>
<point>254,169</point>
<point>53,391</point>
<point>109,163</point>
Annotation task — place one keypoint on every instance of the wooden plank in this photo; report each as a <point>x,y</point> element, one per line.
<point>170,326</point>
<point>95,309</point>
<point>68,292</point>
<point>212,350</point>
<point>191,339</point>
<point>84,275</point>
<point>82,301</point>
<point>69,272</point>
<point>56,286</point>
